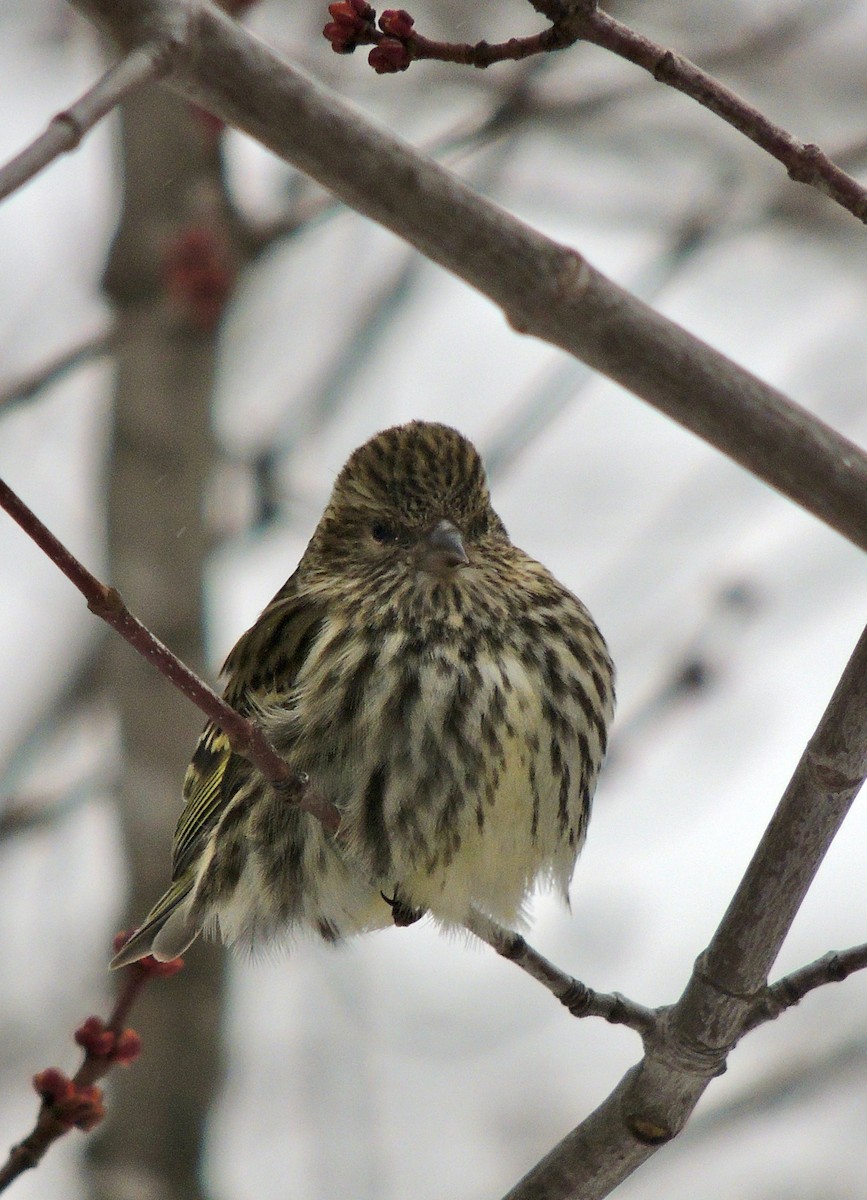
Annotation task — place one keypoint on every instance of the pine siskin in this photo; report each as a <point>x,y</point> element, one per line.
<point>440,688</point>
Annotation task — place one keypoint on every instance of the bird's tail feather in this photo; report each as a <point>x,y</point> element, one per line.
<point>167,930</point>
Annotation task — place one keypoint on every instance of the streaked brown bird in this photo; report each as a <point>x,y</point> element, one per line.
<point>439,687</point>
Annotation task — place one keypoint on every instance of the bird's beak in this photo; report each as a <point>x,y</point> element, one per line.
<point>443,549</point>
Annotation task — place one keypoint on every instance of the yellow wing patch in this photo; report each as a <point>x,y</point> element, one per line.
<point>204,795</point>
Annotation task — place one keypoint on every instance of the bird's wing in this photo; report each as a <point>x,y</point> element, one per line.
<point>143,938</point>
<point>262,667</point>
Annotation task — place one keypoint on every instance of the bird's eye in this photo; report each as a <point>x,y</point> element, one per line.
<point>383,533</point>
<point>477,527</point>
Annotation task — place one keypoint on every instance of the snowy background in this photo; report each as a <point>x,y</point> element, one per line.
<point>406,1064</point>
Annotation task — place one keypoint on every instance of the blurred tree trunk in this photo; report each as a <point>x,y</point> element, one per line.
<point>169,271</point>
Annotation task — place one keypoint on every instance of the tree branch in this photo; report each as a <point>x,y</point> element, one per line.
<point>397,44</point>
<point>833,967</point>
<point>581,1000</point>
<point>76,1102</point>
<point>805,163</point>
<point>545,289</point>
<point>105,602</point>
<point>693,1038</point>
<point>66,129</point>
<point>30,385</point>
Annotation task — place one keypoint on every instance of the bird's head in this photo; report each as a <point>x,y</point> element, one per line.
<point>413,498</point>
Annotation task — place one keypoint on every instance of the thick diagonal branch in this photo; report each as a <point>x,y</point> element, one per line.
<point>544,288</point>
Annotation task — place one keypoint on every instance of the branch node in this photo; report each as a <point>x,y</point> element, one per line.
<point>577,998</point>
<point>647,1131</point>
<point>803,169</point>
<point>665,66</point>
<point>514,946</point>
<point>107,602</point>
<point>835,968</point>
<point>67,120</point>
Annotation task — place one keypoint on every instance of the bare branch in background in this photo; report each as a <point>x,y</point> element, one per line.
<point>805,163</point>
<point>564,383</point>
<point>324,399</point>
<point>799,1079</point>
<point>763,42</point>
<point>33,383</point>
<point>703,658</point>
<point>25,816</point>
<point>512,105</point>
<point>66,129</point>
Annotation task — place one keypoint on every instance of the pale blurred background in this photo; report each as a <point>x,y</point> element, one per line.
<point>406,1064</point>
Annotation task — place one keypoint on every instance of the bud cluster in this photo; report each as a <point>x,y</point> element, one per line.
<point>352,25</point>
<point>72,1104</point>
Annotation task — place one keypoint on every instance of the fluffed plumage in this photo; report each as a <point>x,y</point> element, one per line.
<point>441,689</point>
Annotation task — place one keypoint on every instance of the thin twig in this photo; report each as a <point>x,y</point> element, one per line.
<point>33,383</point>
<point>67,128</point>
<point>833,967</point>
<point>577,997</point>
<point>106,602</point>
<point>77,1102</point>
<point>396,44</point>
<point>805,163</point>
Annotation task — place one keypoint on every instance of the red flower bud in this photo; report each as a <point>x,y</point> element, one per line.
<point>389,57</point>
<point>94,1038</point>
<point>71,1103</point>
<point>52,1085</point>
<point>160,970</point>
<point>343,13</point>
<point>352,25</point>
<point>84,1109</point>
<point>397,22</point>
<point>127,1048</point>
<point>342,39</point>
